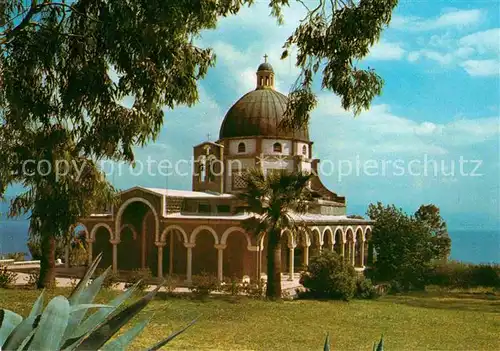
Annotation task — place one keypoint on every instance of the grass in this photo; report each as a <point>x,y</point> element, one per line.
<point>435,320</point>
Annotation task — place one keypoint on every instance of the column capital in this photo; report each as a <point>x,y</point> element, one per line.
<point>292,247</point>
<point>254,248</point>
<point>189,245</point>
<point>160,243</point>
<point>114,242</point>
<point>220,246</point>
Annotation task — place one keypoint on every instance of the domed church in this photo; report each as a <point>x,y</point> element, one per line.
<point>185,233</point>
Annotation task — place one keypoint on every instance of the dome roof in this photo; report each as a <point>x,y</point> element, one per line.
<point>266,66</point>
<point>259,113</point>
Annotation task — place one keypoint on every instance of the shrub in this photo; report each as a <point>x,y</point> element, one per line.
<point>32,278</point>
<point>16,256</point>
<point>328,276</point>
<point>461,275</point>
<point>204,284</point>
<point>7,278</point>
<point>365,289</point>
<point>111,279</point>
<point>255,289</point>
<point>232,286</point>
<point>141,276</point>
<point>171,283</point>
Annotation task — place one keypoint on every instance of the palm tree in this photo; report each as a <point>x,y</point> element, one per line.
<point>274,199</point>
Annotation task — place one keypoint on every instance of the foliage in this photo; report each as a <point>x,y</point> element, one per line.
<point>429,214</point>
<point>35,248</point>
<point>328,276</point>
<point>16,256</point>
<point>203,284</point>
<point>376,346</point>
<point>110,280</point>
<point>7,278</point>
<point>32,279</point>
<point>255,289</point>
<point>404,247</point>
<point>462,275</point>
<point>61,325</point>
<point>171,283</point>
<point>141,277</point>
<point>232,286</point>
<point>365,289</point>
<point>273,197</point>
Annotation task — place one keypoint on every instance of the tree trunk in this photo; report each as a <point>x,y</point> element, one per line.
<point>273,288</point>
<point>47,261</point>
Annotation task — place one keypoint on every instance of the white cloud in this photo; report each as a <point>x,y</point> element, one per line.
<point>482,67</point>
<point>453,18</point>
<point>386,51</point>
<point>487,41</point>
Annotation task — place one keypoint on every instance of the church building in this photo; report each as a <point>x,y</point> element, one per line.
<point>185,233</point>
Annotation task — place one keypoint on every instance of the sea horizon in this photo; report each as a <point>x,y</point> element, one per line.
<point>468,245</point>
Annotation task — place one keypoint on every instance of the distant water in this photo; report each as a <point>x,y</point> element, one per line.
<point>467,245</point>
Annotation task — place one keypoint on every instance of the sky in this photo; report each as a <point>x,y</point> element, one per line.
<point>440,61</point>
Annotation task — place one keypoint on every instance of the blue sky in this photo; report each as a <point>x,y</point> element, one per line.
<point>440,61</point>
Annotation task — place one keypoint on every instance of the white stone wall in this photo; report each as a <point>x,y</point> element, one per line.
<point>267,147</point>
<point>298,150</point>
<point>250,146</point>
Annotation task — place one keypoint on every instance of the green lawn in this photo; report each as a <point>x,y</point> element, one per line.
<point>430,321</point>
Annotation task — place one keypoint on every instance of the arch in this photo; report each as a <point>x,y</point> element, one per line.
<point>277,147</point>
<point>327,229</point>
<point>124,206</point>
<point>304,150</point>
<point>320,235</point>
<point>132,229</point>
<point>228,231</point>
<point>346,233</point>
<point>242,147</point>
<point>165,231</point>
<point>342,235</point>
<point>368,233</point>
<point>99,225</point>
<point>198,229</point>
<point>360,230</point>
<point>291,241</point>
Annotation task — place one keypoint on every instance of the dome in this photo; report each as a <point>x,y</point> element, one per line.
<point>259,113</point>
<point>266,66</point>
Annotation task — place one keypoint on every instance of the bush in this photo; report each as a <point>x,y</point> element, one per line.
<point>365,289</point>
<point>142,275</point>
<point>204,284</point>
<point>232,286</point>
<point>255,289</point>
<point>111,280</point>
<point>32,278</point>
<point>171,283</point>
<point>7,278</point>
<point>461,275</point>
<point>328,276</point>
<point>16,256</point>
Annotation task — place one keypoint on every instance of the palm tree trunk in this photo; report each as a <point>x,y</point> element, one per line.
<point>273,288</point>
<point>47,261</point>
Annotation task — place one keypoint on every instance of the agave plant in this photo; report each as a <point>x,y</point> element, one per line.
<point>376,346</point>
<point>62,324</point>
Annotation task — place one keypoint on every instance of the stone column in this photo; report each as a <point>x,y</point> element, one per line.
<point>353,253</point>
<point>115,256</point>
<point>332,247</point>
<point>143,250</point>
<point>66,256</point>
<point>362,253</point>
<point>306,255</point>
<point>89,251</point>
<point>291,263</point>
<point>171,255</point>
<point>342,250</point>
<point>220,257</point>
<point>160,246</point>
<point>189,273</point>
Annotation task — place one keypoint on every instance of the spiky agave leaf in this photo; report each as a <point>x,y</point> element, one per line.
<point>49,332</point>
<point>380,346</point>
<point>75,294</point>
<point>106,330</point>
<point>86,296</point>
<point>8,322</point>
<point>171,337</point>
<point>326,347</point>
<point>23,330</point>
<point>122,342</point>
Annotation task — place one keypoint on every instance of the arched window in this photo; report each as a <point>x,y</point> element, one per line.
<point>241,148</point>
<point>277,147</point>
<point>304,150</point>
